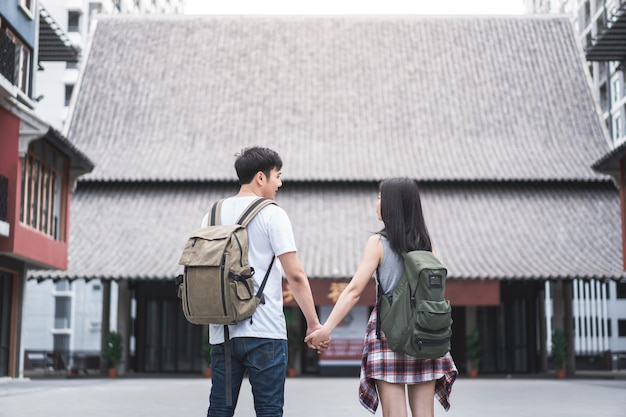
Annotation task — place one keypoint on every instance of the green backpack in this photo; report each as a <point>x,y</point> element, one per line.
<point>416,319</point>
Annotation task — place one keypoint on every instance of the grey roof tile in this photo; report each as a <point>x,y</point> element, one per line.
<point>340,98</point>
<point>480,231</point>
<point>610,163</point>
<point>345,101</point>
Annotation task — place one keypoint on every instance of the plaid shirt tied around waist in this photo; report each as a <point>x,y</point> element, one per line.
<point>379,362</point>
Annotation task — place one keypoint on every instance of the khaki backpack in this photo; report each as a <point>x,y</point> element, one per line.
<point>217,286</point>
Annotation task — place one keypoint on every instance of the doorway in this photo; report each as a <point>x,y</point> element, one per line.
<point>6,293</point>
<point>171,343</point>
<point>508,331</point>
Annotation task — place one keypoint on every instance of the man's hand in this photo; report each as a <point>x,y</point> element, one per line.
<point>318,339</point>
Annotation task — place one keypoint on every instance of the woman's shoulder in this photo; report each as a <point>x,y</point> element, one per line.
<point>376,238</point>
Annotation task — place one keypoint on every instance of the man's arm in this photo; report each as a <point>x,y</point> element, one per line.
<point>300,287</point>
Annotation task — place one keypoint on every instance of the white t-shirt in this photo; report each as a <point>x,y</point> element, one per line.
<point>269,234</point>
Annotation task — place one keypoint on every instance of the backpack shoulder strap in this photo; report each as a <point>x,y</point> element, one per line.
<point>248,214</point>
<point>215,215</point>
<point>253,209</point>
<point>379,292</point>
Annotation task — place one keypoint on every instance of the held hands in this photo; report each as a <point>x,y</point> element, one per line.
<point>318,339</point>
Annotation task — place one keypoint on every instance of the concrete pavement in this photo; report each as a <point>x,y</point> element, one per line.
<point>305,397</point>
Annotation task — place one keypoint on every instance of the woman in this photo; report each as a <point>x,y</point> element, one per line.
<point>385,373</point>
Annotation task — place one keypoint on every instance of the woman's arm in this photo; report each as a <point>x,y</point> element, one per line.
<point>372,255</point>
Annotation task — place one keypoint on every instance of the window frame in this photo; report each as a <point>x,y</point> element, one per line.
<point>68,91</point>
<point>618,126</point>
<point>44,190</point>
<point>22,67</point>
<point>28,7</point>
<point>71,27</point>
<point>616,90</point>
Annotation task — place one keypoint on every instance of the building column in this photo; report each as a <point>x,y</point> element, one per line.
<point>105,325</point>
<point>123,322</point>
<point>16,352</point>
<point>622,201</point>
<point>543,351</point>
<point>568,326</point>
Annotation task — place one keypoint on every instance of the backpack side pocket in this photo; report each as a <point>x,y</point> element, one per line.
<point>433,316</point>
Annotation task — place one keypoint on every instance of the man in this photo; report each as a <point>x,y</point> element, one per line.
<point>259,346</point>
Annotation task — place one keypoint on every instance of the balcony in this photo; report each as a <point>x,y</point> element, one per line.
<point>610,43</point>
<point>5,227</point>
<point>7,57</point>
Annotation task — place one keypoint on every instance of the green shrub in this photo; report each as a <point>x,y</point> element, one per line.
<point>472,347</point>
<point>113,350</point>
<point>559,348</point>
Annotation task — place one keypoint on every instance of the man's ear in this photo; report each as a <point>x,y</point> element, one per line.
<point>259,177</point>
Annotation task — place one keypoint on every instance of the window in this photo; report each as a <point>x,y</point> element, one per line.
<point>618,126</point>
<point>69,88</point>
<point>62,312</point>
<point>28,6</point>
<point>616,90</point>
<point>42,189</point>
<point>61,343</point>
<point>17,69</point>
<point>604,102</point>
<point>621,328</point>
<point>73,21</point>
<point>62,285</point>
<point>620,290</point>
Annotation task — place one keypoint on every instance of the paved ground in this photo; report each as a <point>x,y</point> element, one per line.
<point>306,397</point>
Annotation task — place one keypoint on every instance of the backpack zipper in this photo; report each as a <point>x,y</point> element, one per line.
<point>240,250</point>
<point>186,303</point>
<point>431,342</point>
<point>222,285</point>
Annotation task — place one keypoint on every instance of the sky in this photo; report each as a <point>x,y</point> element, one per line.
<point>354,7</point>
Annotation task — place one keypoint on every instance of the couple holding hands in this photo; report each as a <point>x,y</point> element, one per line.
<point>259,346</point>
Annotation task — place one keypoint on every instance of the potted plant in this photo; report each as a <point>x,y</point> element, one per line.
<point>207,359</point>
<point>472,348</point>
<point>113,352</point>
<point>559,349</point>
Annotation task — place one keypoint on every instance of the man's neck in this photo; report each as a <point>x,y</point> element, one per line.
<point>247,191</point>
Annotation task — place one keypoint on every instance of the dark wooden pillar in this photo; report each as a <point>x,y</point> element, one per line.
<point>568,325</point>
<point>105,323</point>
<point>543,351</point>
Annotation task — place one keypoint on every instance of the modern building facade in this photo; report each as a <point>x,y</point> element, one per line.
<point>58,316</point>
<point>595,22</point>
<point>599,25</point>
<point>501,145</point>
<point>39,168</point>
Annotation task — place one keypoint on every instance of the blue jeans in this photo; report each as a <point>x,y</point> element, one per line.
<point>266,363</point>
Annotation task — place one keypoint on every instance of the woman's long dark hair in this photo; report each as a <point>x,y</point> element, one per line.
<point>401,211</point>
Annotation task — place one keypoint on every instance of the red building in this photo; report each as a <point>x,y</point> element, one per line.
<point>38,168</point>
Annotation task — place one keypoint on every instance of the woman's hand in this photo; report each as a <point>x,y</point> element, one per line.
<point>319,340</point>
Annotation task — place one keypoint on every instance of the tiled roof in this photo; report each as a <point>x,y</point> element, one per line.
<point>492,114</point>
<point>610,162</point>
<point>340,98</point>
<point>80,163</point>
<point>491,231</point>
